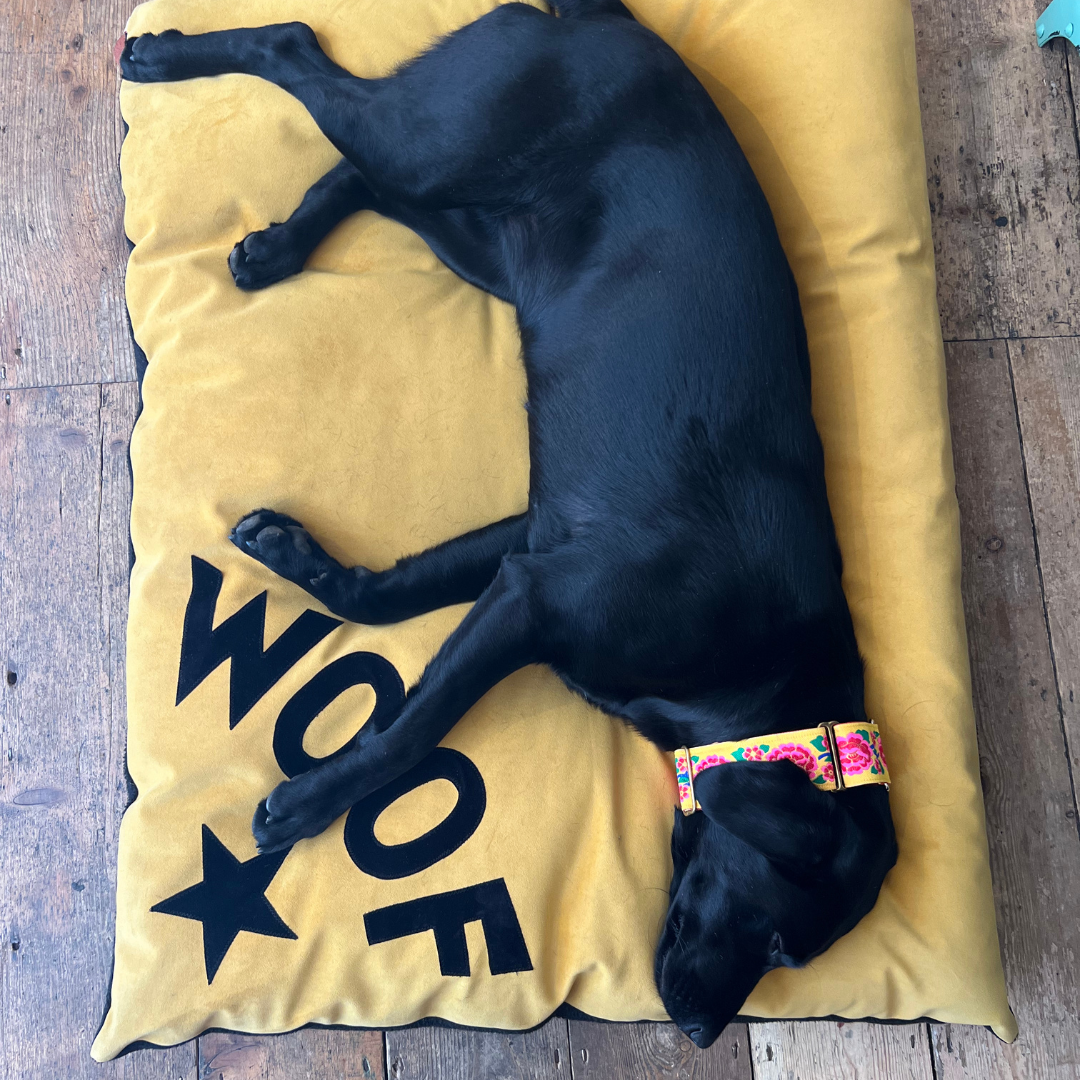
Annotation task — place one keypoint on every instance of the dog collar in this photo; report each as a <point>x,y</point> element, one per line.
<point>857,747</point>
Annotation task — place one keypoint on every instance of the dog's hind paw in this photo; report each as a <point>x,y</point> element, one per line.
<point>280,543</point>
<point>264,258</point>
<point>151,58</point>
<point>283,545</point>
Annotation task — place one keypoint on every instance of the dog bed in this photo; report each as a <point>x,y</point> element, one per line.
<point>377,398</point>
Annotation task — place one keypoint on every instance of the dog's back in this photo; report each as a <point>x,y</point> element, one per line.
<point>677,476</point>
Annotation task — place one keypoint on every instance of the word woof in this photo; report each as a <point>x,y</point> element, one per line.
<point>231,896</point>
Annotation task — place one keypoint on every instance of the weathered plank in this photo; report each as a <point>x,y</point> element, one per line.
<point>972,1052</point>
<point>118,407</point>
<point>1031,815</point>
<point>61,322</point>
<point>62,249</point>
<point>1046,375</point>
<point>63,529</point>
<point>452,1054</point>
<point>655,1052</point>
<point>1002,161</point>
<point>328,1055</point>
<point>40,24</point>
<point>825,1050</point>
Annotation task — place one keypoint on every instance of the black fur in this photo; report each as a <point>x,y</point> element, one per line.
<point>677,565</point>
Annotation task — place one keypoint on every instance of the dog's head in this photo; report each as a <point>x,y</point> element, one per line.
<point>771,874</point>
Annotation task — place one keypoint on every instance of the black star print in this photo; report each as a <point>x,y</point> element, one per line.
<point>229,899</point>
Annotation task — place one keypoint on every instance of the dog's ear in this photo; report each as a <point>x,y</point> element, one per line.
<point>773,806</point>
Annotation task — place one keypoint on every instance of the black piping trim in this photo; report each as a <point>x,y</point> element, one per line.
<point>132,789</point>
<point>563,1012</point>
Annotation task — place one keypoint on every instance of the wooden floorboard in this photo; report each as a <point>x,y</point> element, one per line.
<point>435,1053</point>
<point>656,1052</point>
<point>63,582</point>
<point>62,247</point>
<point>1003,183</point>
<point>826,1050</point>
<point>998,124</point>
<point>45,25</point>
<point>314,1054</point>
<point>1046,376</point>
<point>1030,806</point>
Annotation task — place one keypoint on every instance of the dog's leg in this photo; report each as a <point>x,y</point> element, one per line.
<point>455,572</point>
<point>287,54</point>
<point>270,255</point>
<point>458,126</point>
<point>464,238</point>
<point>495,638</point>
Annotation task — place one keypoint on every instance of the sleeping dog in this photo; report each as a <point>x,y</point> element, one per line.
<point>677,564</point>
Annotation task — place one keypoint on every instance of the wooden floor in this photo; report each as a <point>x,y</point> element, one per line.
<point>1004,180</point>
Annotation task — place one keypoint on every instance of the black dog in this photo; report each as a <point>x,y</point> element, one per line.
<point>677,565</point>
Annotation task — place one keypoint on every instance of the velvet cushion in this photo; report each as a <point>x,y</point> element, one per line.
<point>377,398</point>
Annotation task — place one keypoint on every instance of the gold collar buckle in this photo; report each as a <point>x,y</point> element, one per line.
<point>829,727</point>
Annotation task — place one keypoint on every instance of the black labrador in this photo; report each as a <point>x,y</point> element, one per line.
<point>677,564</point>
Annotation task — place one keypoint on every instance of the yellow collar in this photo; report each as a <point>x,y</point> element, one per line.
<point>814,750</point>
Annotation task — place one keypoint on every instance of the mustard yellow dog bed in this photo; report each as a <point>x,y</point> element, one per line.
<point>378,399</point>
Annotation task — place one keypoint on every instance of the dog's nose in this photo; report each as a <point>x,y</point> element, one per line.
<point>701,1035</point>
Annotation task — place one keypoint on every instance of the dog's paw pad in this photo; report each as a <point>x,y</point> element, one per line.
<point>266,538</point>
<point>283,545</point>
<point>250,525</point>
<point>300,539</point>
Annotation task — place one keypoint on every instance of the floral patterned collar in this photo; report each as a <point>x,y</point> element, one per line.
<point>815,750</point>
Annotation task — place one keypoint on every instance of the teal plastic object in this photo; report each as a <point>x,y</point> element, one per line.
<point>1060,19</point>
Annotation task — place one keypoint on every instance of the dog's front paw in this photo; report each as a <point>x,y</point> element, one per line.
<point>151,58</point>
<point>264,258</point>
<point>295,810</point>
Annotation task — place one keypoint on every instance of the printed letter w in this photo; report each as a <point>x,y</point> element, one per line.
<point>239,639</point>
